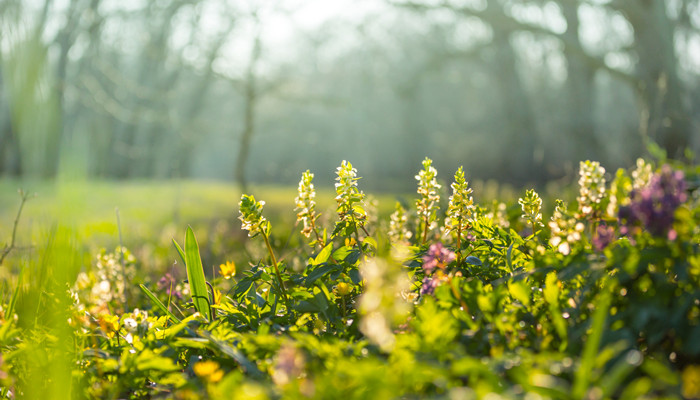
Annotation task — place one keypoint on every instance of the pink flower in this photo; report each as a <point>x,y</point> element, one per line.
<point>438,256</point>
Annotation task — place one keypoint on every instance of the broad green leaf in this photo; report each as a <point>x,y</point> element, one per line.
<point>521,292</point>
<point>473,260</point>
<point>158,303</point>
<point>323,255</point>
<point>195,275</point>
<point>318,273</point>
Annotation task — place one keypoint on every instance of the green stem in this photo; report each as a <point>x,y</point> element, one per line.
<point>425,229</point>
<point>277,270</point>
<point>357,236</point>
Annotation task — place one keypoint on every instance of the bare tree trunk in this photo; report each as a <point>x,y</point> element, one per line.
<point>579,91</point>
<point>664,97</point>
<point>251,99</point>
<point>518,163</point>
<point>65,40</point>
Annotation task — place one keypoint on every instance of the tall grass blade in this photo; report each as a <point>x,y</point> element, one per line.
<point>583,374</point>
<point>159,304</point>
<point>195,275</point>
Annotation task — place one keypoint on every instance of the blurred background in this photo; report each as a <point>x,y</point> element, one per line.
<point>258,91</point>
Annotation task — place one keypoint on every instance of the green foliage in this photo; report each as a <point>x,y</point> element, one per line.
<point>569,312</point>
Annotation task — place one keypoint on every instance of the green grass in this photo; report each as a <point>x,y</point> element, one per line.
<point>151,214</point>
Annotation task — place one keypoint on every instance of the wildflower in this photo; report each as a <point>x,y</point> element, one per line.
<point>602,237</point>
<point>566,230</point>
<point>343,289</point>
<point>429,284</point>
<point>397,225</point>
<point>653,206</point>
<point>349,198</point>
<point>642,174</point>
<point>167,283</point>
<point>109,324</point>
<point>460,210</point>
<point>227,269</point>
<point>251,216</point>
<point>531,205</point>
<point>428,204</point>
<point>305,203</point>
<point>498,214</point>
<point>591,186</point>
<point>130,325</point>
<point>208,371</point>
<point>438,256</point>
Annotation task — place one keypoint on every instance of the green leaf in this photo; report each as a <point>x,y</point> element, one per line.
<point>179,251</point>
<point>159,303</point>
<point>323,255</point>
<point>318,273</point>
<point>195,274</point>
<point>521,292</point>
<point>473,260</point>
<point>509,258</point>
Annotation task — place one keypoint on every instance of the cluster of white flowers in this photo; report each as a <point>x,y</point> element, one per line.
<point>591,184</point>
<point>429,203</point>
<point>398,225</point>
<point>642,174</point>
<point>251,216</point>
<point>498,214</point>
<point>566,230</point>
<point>460,210</point>
<point>306,203</point>
<point>108,281</point>
<point>349,198</point>
<point>531,205</point>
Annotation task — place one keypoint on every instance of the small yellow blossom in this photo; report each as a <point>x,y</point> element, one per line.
<point>208,371</point>
<point>109,324</point>
<point>691,382</point>
<point>343,289</point>
<point>350,242</point>
<point>228,269</point>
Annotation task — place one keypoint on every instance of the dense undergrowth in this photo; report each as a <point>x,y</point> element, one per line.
<point>597,299</point>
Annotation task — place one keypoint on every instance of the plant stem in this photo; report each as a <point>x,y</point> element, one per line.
<point>277,270</point>
<point>11,246</point>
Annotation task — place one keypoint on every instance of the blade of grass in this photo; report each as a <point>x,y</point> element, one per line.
<point>11,307</point>
<point>179,251</point>
<point>195,275</point>
<point>583,374</point>
<point>159,303</point>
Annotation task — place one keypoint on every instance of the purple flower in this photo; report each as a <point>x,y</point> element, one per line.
<point>168,284</point>
<point>602,237</point>
<point>438,256</point>
<point>653,206</point>
<point>429,285</point>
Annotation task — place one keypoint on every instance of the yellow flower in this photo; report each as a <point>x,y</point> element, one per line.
<point>691,382</point>
<point>217,296</point>
<point>227,270</point>
<point>208,371</point>
<point>109,324</point>
<point>343,289</point>
<point>350,242</point>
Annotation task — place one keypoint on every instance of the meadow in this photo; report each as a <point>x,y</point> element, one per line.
<point>195,290</point>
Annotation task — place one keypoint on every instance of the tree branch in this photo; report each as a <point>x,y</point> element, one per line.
<point>11,246</point>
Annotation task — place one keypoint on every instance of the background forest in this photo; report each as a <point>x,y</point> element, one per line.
<point>517,91</point>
